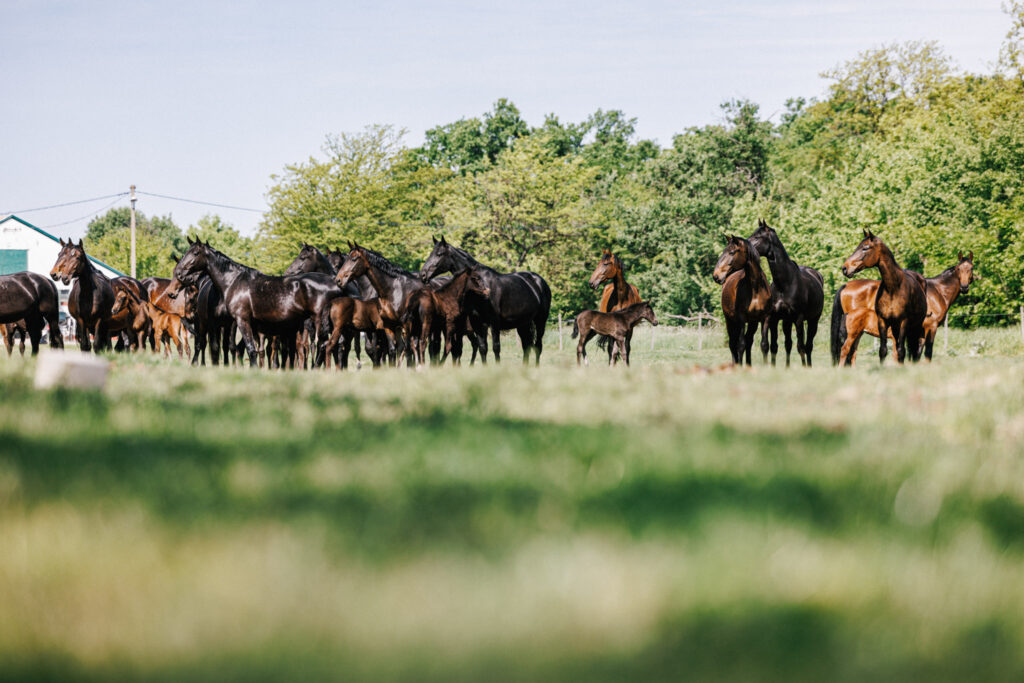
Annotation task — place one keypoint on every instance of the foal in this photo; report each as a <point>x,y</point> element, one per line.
<point>166,327</point>
<point>616,325</point>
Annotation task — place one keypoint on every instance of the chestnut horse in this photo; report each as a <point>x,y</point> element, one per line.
<point>900,303</point>
<point>746,295</point>
<point>91,296</point>
<point>799,296</point>
<point>617,294</point>
<point>853,309</point>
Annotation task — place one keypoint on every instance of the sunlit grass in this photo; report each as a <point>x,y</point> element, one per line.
<point>510,523</point>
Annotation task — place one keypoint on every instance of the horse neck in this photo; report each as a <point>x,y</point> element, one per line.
<point>323,265</point>
<point>622,290</point>
<point>223,271</point>
<point>461,261</point>
<point>947,284</point>
<point>755,274</point>
<point>892,274</point>
<point>631,315</point>
<point>783,268</point>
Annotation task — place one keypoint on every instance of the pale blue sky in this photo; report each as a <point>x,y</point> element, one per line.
<point>207,99</point>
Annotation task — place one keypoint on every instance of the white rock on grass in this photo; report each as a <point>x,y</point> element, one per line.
<point>71,369</point>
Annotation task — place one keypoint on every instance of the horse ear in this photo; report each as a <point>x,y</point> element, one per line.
<point>435,240</point>
<point>960,256</point>
<point>80,246</point>
<point>188,238</point>
<point>442,240</point>
<point>970,256</point>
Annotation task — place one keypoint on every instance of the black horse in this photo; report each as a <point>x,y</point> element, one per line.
<point>799,296</point>
<point>91,298</point>
<point>31,299</point>
<point>519,301</point>
<point>258,303</point>
<point>214,327</point>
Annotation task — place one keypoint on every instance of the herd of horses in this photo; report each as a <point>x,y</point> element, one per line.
<point>903,306</point>
<point>326,303</point>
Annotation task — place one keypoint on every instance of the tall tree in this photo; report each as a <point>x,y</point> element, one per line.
<point>157,239</point>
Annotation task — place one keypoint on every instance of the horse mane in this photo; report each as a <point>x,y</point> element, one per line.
<point>378,261</point>
<point>221,257</point>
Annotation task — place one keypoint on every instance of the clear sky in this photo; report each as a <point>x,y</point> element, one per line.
<point>206,100</point>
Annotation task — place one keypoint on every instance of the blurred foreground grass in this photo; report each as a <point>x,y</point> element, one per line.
<point>657,522</point>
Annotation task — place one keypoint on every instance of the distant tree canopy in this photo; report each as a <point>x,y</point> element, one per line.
<point>157,240</point>
<point>902,142</point>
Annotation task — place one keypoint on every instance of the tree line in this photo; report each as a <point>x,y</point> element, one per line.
<point>902,141</point>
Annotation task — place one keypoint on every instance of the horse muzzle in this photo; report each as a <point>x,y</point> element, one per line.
<point>964,288</point>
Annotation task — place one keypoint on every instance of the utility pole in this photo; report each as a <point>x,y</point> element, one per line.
<point>133,230</point>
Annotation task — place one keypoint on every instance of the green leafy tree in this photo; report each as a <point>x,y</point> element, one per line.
<point>368,188</point>
<point>157,240</point>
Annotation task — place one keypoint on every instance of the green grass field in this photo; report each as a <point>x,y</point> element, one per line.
<point>501,523</point>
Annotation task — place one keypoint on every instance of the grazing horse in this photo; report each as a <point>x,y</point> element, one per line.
<point>91,296</point>
<point>259,303</point>
<point>900,303</point>
<point>617,294</point>
<point>28,301</point>
<point>799,295</point>
<point>853,309</point>
<point>617,325</point>
<point>519,301</point>
<point>395,286</point>
<point>746,295</point>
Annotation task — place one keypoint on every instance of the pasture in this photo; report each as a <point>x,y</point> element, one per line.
<point>509,523</point>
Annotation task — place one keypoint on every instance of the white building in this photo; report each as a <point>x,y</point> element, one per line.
<point>23,246</point>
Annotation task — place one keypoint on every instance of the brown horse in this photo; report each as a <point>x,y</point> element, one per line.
<point>746,295</point>
<point>616,325</point>
<point>617,294</point>
<point>91,295</point>
<point>348,317</point>
<point>853,309</point>
<point>900,302</point>
<point>144,315</point>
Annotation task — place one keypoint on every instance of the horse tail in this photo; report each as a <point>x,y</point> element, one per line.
<point>602,342</point>
<point>838,337</point>
<point>575,328</point>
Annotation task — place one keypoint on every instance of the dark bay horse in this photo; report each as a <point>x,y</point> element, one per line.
<point>799,295</point>
<point>853,309</point>
<point>31,300</point>
<point>900,303</point>
<point>746,295</point>
<point>258,303</point>
<point>617,294</point>
<point>395,286</point>
<point>519,301</point>
<point>91,298</point>
<point>616,325</point>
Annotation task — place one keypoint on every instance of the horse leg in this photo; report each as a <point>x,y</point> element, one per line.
<point>812,331</point>
<point>102,340</point>
<point>249,341</point>
<point>581,350</point>
<point>82,332</point>
<point>801,348</point>
<point>538,328</point>
<point>883,340</point>
<point>765,324</point>
<point>525,338</point>
<point>56,338</point>
<point>735,331</point>
<point>496,343</point>
<point>748,340</point>
<point>787,331</point>
<point>35,333</point>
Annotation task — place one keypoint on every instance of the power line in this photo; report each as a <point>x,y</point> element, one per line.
<point>196,201</point>
<point>57,206</point>
<point>88,215</point>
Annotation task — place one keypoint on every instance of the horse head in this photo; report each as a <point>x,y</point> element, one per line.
<point>190,267</point>
<point>965,270</point>
<point>71,262</point>
<point>476,283</point>
<point>439,261</point>
<point>866,255</point>
<point>607,269</point>
<point>764,240</point>
<point>355,265</point>
<point>647,312</point>
<point>306,262</point>
<point>737,253</point>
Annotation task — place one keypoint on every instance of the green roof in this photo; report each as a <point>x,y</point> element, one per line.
<point>55,239</point>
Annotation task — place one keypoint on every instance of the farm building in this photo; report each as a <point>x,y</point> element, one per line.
<point>23,246</point>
